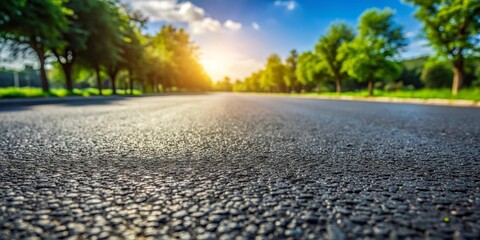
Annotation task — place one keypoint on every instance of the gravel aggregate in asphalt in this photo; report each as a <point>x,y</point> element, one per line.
<point>224,166</point>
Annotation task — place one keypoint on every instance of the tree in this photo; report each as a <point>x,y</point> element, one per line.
<point>185,55</point>
<point>411,72</point>
<point>128,45</point>
<point>103,38</point>
<point>225,85</point>
<point>162,51</point>
<point>35,25</point>
<point>75,37</point>
<point>273,77</point>
<point>290,67</point>
<point>328,49</point>
<point>252,82</point>
<point>309,69</point>
<point>437,74</point>
<point>160,68</point>
<point>372,52</point>
<point>173,61</point>
<point>452,27</point>
<point>131,51</point>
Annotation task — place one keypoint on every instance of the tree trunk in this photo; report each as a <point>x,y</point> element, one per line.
<point>370,86</point>
<point>99,81</point>
<point>67,69</point>
<point>458,74</point>
<point>339,84</point>
<point>112,79</point>
<point>130,81</point>
<point>43,72</point>
<point>67,66</point>
<point>40,51</point>
<point>299,88</point>
<point>112,73</point>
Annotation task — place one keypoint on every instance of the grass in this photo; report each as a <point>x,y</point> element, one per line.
<point>27,92</point>
<point>464,94</point>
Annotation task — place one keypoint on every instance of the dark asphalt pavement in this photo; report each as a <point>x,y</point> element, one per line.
<point>223,166</point>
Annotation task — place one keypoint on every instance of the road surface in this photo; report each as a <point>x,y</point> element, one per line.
<point>220,166</point>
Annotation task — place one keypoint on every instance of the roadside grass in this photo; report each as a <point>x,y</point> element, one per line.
<point>463,94</point>
<point>28,92</point>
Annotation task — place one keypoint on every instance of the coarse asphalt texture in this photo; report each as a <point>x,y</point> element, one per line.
<point>233,166</point>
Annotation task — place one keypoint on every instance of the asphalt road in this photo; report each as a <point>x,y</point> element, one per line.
<point>224,166</point>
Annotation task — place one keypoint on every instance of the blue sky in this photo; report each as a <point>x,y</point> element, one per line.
<point>236,36</point>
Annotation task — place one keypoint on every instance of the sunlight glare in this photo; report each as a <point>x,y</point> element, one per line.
<point>216,65</point>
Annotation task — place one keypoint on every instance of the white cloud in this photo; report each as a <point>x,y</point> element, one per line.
<point>410,34</point>
<point>289,5</point>
<point>255,26</point>
<point>205,25</point>
<point>417,48</point>
<point>417,45</point>
<point>190,12</point>
<point>169,10</point>
<point>174,11</point>
<point>234,26</point>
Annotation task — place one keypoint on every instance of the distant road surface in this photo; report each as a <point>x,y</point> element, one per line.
<point>219,166</point>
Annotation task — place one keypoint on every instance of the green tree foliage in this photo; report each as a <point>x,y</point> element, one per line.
<point>225,85</point>
<point>453,28</point>
<point>161,70</point>
<point>310,70</point>
<point>125,39</point>
<point>74,36</point>
<point>272,79</point>
<point>174,61</point>
<point>328,49</point>
<point>239,86</point>
<point>411,71</point>
<point>476,83</point>
<point>9,8</point>
<point>437,74</point>
<point>290,67</point>
<point>91,39</point>
<point>185,55</point>
<point>34,24</point>
<point>131,57</point>
<point>372,52</point>
<point>252,82</point>
<point>103,38</point>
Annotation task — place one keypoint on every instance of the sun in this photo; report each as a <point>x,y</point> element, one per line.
<point>216,65</point>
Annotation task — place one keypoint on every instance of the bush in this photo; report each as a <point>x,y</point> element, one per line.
<point>476,83</point>
<point>437,74</point>
<point>393,86</point>
<point>378,85</point>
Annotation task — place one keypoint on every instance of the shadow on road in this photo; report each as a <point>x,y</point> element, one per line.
<point>9,105</point>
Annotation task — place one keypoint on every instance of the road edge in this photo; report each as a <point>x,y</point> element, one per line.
<point>69,99</point>
<point>53,100</point>
<point>433,101</point>
<point>420,101</point>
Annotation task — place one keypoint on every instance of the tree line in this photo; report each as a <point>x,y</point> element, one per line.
<point>103,37</point>
<point>369,54</point>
